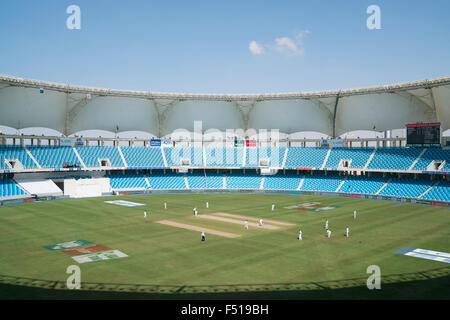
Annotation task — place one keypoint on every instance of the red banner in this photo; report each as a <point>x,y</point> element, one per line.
<point>250,143</point>
<point>423,124</point>
<point>439,204</point>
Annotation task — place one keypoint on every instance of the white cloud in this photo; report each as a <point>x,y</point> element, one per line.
<point>255,48</point>
<point>286,45</point>
<point>283,45</point>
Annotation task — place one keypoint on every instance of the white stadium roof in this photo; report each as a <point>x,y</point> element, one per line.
<point>68,109</point>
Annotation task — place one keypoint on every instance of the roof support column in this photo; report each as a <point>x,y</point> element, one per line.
<point>334,114</point>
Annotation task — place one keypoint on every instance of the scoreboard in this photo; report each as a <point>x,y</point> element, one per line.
<point>423,135</point>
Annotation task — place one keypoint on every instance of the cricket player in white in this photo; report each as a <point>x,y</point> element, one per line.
<point>203,236</point>
<point>145,214</point>
<point>346,232</point>
<point>207,205</point>
<point>329,233</point>
<point>273,206</point>
<point>195,211</point>
<point>300,235</point>
<point>260,222</point>
<point>165,205</point>
<point>246,225</point>
<point>354,214</point>
<point>326,224</point>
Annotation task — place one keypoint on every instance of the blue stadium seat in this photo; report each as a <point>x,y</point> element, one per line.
<point>224,156</point>
<point>127,181</point>
<point>358,157</point>
<point>53,156</point>
<point>12,152</point>
<point>328,182</point>
<point>243,181</point>
<point>9,189</point>
<point>275,156</point>
<point>174,155</point>
<point>305,157</point>
<point>440,192</point>
<point>214,181</point>
<point>282,181</point>
<point>196,180</point>
<point>362,184</point>
<point>91,155</point>
<point>166,181</point>
<point>433,154</point>
<point>408,188</point>
<point>394,158</point>
<point>143,157</point>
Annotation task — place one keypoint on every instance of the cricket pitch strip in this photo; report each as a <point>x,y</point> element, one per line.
<point>200,229</point>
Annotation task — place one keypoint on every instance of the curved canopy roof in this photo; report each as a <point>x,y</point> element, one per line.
<point>70,109</point>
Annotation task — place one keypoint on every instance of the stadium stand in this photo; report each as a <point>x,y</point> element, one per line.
<point>127,181</point>
<point>14,153</point>
<point>394,158</point>
<point>358,157</point>
<point>305,157</point>
<point>91,155</point>
<point>224,156</point>
<point>174,156</point>
<point>275,156</point>
<point>384,159</point>
<point>143,157</point>
<point>243,181</point>
<point>321,182</point>
<point>408,188</point>
<point>9,189</point>
<point>362,184</point>
<point>166,181</point>
<point>440,192</point>
<point>53,156</point>
<point>433,154</point>
<point>196,180</point>
<point>214,181</point>
<point>282,181</point>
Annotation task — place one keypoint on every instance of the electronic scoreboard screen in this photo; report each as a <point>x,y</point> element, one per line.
<point>423,135</point>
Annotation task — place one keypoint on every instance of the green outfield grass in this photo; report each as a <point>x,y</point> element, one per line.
<point>263,259</point>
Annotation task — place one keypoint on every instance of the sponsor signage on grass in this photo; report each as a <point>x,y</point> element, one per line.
<point>68,244</point>
<point>84,250</point>
<point>99,256</point>
<point>425,254</point>
<point>313,206</point>
<point>126,203</point>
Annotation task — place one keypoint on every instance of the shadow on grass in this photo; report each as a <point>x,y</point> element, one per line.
<point>431,284</point>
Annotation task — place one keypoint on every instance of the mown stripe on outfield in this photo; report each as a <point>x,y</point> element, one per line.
<point>265,226</point>
<point>200,229</point>
<point>281,223</point>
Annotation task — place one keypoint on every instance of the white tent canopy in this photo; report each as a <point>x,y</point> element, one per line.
<point>71,109</point>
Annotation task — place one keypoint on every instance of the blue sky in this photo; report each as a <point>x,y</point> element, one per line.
<point>203,46</point>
